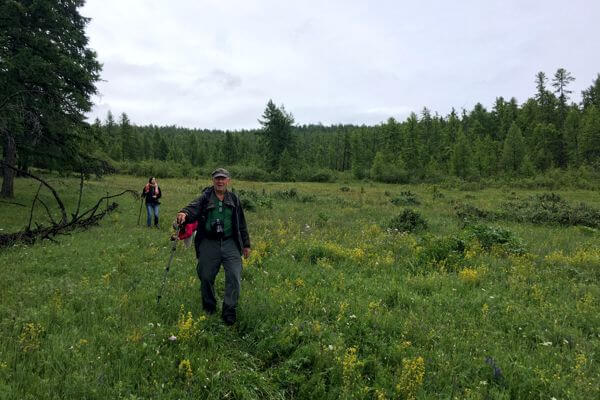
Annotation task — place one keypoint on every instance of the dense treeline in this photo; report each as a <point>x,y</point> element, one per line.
<point>510,140</point>
<point>546,132</point>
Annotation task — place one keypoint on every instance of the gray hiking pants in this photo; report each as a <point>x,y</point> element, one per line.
<point>213,253</point>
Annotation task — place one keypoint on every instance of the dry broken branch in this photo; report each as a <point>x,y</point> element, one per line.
<point>54,193</point>
<point>85,220</point>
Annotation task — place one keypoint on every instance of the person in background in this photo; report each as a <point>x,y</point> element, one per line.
<point>221,238</point>
<point>152,193</point>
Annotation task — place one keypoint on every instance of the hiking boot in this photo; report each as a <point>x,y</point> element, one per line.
<point>228,314</point>
<point>228,319</point>
<point>210,310</point>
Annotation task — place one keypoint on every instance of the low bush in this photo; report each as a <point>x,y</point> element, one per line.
<point>407,198</point>
<point>251,199</point>
<point>408,221</point>
<point>489,236</point>
<point>447,252</point>
<point>468,213</point>
<point>550,208</point>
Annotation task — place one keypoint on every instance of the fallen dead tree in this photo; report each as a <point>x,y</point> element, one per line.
<point>66,224</point>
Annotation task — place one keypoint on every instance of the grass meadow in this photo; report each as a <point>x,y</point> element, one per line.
<point>337,302</point>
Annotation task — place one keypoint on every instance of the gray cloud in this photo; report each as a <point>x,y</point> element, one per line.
<point>221,78</point>
<point>214,64</point>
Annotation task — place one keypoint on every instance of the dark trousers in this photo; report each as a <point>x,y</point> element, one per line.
<point>213,253</point>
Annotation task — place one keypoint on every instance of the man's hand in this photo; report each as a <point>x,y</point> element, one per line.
<point>181,218</point>
<point>246,252</point>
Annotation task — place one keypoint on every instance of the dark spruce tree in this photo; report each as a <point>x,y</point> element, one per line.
<point>561,80</point>
<point>276,133</point>
<point>47,75</point>
<point>591,95</point>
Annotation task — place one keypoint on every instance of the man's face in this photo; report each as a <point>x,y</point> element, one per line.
<point>220,183</point>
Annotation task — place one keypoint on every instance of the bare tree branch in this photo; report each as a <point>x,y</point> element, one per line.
<point>58,200</point>
<point>93,209</point>
<point>80,193</point>
<point>13,203</point>
<point>32,206</point>
<point>86,219</point>
<point>48,212</point>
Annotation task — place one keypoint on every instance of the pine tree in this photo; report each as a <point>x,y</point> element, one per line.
<point>549,147</point>
<point>545,99</point>
<point>513,150</point>
<point>562,78</point>
<point>47,76</point>
<point>591,95</point>
<point>410,145</point>
<point>230,149</point>
<point>461,156</point>
<point>589,142</point>
<point>571,137</point>
<point>287,167</point>
<point>361,154</point>
<point>161,148</point>
<point>129,149</point>
<point>114,141</point>
<point>148,151</point>
<point>276,133</point>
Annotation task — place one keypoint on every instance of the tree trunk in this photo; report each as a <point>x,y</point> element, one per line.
<point>8,174</point>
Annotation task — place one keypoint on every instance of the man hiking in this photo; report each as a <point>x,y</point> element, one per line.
<point>221,238</point>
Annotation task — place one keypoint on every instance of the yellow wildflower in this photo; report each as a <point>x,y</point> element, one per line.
<point>485,310</point>
<point>31,337</point>
<point>187,327</point>
<point>469,275</point>
<point>411,377</point>
<point>185,369</point>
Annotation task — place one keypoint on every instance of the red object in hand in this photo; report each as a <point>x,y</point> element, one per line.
<point>188,230</point>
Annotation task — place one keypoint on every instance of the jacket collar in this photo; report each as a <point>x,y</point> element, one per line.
<point>212,198</point>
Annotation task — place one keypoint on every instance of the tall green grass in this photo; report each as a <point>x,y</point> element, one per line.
<point>334,303</point>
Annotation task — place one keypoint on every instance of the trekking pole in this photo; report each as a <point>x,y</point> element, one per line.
<point>173,248</point>
<point>140,213</point>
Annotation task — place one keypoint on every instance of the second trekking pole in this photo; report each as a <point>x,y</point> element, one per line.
<point>140,213</point>
<point>173,248</point>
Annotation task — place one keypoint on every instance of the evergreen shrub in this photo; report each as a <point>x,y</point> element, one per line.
<point>407,198</point>
<point>550,208</point>
<point>445,251</point>
<point>468,213</point>
<point>489,236</point>
<point>251,200</point>
<point>408,221</point>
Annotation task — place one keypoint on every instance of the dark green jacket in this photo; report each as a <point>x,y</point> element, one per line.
<point>198,210</point>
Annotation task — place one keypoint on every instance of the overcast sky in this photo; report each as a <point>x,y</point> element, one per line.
<point>215,64</point>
